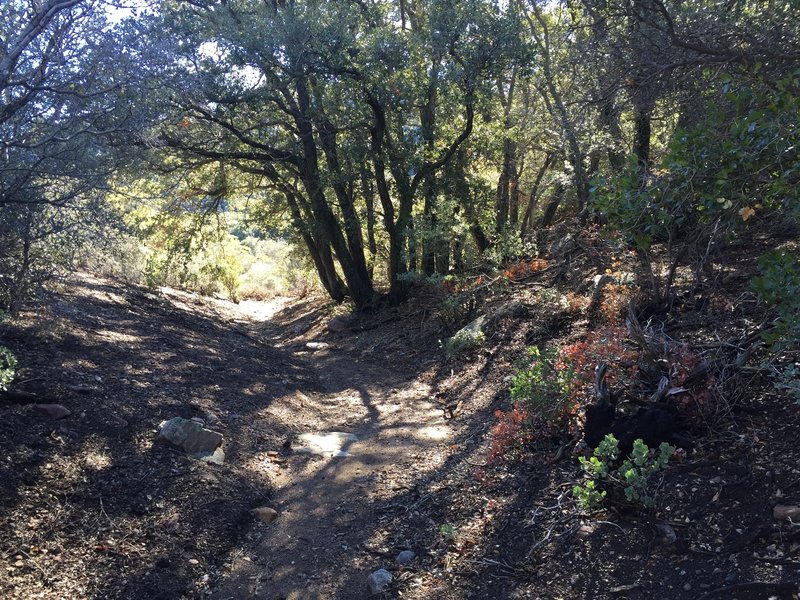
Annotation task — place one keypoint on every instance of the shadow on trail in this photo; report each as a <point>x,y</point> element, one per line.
<point>92,493</point>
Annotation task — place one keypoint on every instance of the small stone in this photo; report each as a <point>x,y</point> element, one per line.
<point>217,456</point>
<point>265,514</point>
<point>781,512</point>
<point>194,561</point>
<point>189,435</point>
<point>405,557</point>
<point>575,580</point>
<point>687,587</point>
<point>53,411</point>
<point>584,531</point>
<point>379,582</point>
<point>668,535</point>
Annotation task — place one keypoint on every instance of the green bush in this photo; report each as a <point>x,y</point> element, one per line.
<point>778,285</point>
<point>633,476</point>
<point>543,384</point>
<point>8,366</point>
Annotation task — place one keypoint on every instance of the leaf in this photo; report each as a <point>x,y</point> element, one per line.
<point>746,213</point>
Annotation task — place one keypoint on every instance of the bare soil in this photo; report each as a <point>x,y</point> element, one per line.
<point>93,507</point>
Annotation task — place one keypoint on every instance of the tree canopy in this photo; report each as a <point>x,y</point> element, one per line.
<point>397,139</point>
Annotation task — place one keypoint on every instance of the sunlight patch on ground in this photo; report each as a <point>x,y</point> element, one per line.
<point>97,460</point>
<point>262,311</point>
<point>326,444</point>
<point>119,337</point>
<point>435,432</point>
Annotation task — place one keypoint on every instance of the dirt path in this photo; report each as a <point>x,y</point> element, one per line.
<point>94,507</point>
<point>329,534</point>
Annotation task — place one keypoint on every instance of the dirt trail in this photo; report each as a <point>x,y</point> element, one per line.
<point>94,507</point>
<point>328,536</point>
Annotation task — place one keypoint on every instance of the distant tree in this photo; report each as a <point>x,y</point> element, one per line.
<point>334,104</point>
<point>62,101</point>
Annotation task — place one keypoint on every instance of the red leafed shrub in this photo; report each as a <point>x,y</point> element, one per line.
<point>510,435</point>
<point>603,345</point>
<point>550,386</point>
<point>614,304</point>
<point>524,268</point>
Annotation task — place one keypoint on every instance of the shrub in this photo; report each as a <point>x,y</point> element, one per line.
<point>606,344</point>
<point>543,385</point>
<point>8,366</point>
<point>633,477</point>
<point>778,285</point>
<point>525,268</point>
<point>510,435</point>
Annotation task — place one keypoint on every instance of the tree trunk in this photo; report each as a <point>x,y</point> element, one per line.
<point>533,199</point>
<point>641,146</point>
<point>369,202</point>
<point>352,224</point>
<point>503,194</point>
<point>327,228</point>
<point>320,254</point>
<point>609,117</point>
<point>552,206</point>
<point>395,229</point>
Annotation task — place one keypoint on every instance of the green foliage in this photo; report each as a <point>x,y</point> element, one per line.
<point>37,241</point>
<point>542,384</point>
<point>8,366</point>
<point>787,380</point>
<point>737,159</point>
<point>448,531</point>
<point>633,476</point>
<point>778,285</point>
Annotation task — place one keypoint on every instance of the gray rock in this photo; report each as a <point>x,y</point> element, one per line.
<point>468,337</point>
<point>190,436</point>
<point>53,411</point>
<point>216,457</point>
<point>339,324</point>
<point>265,514</point>
<point>507,310</point>
<point>668,535</point>
<point>379,582</point>
<point>405,557</point>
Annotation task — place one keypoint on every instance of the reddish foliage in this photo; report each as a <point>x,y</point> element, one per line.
<point>614,304</point>
<point>525,268</point>
<point>603,345</point>
<point>577,303</point>
<point>509,435</point>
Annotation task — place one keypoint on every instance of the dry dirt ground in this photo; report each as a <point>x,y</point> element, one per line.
<point>93,507</point>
